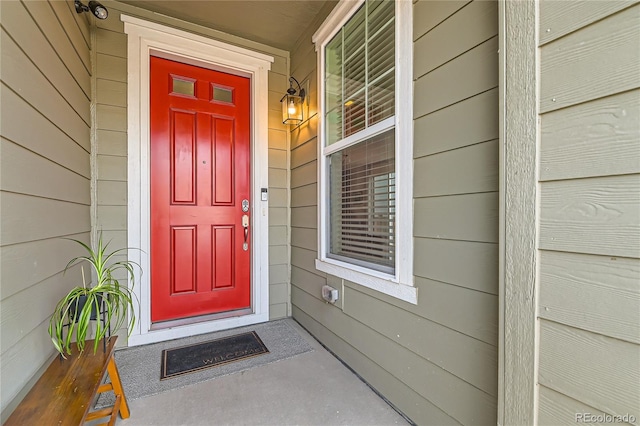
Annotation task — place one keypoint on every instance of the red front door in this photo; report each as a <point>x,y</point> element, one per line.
<point>200,152</point>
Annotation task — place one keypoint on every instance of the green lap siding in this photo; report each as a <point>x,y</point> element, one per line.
<point>436,361</point>
<point>45,176</point>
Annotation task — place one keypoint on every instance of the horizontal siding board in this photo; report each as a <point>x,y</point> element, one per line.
<point>303,258</point>
<point>304,238</point>
<point>304,217</point>
<point>278,255</point>
<point>470,312</point>
<point>278,274</point>
<point>596,138</point>
<point>461,171</point>
<point>306,69</point>
<point>405,399</point>
<point>116,25</point>
<point>558,18</point>
<point>115,238</point>
<point>44,41</point>
<point>469,217</point>
<point>595,216</point>
<point>278,216</point>
<point>556,409</point>
<point>111,168</point>
<point>277,139</point>
<point>278,311</point>
<point>111,68</point>
<point>304,196</point>
<point>277,159</point>
<point>278,235</point>
<point>277,82</point>
<point>427,14</point>
<point>277,178</point>
<point>308,281</point>
<point>279,64</point>
<point>304,154</point>
<point>23,360</point>
<point>303,53</point>
<point>39,301</point>
<point>41,135</point>
<point>596,61</point>
<point>82,21</point>
<point>305,132</point>
<point>274,121</point>
<point>444,130</point>
<point>111,118</point>
<point>462,263</point>
<point>65,15</point>
<point>467,75</point>
<point>435,343</point>
<point>110,142</point>
<point>111,43</point>
<point>28,173</point>
<point>600,294</point>
<point>273,99</point>
<point>465,403</point>
<point>471,25</point>
<point>36,261</point>
<point>19,73</point>
<point>475,316</point>
<point>111,218</point>
<point>23,218</point>
<point>278,197</point>
<point>111,92</point>
<point>597,370</point>
<point>112,193</point>
<point>304,175</point>
<point>278,293</point>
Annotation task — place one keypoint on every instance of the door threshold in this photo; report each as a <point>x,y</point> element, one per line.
<point>202,318</point>
<point>172,331</point>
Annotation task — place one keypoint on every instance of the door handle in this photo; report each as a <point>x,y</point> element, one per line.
<point>245,225</point>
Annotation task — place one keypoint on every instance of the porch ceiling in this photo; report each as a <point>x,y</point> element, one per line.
<point>275,23</point>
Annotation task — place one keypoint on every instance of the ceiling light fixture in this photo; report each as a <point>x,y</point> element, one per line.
<point>292,111</point>
<point>98,10</point>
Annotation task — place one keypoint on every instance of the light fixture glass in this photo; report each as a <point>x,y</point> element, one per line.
<point>98,10</point>
<point>292,104</point>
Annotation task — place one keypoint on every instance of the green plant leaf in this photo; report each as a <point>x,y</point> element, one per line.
<point>115,301</point>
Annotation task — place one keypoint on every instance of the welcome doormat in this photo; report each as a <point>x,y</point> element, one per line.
<point>195,357</point>
<point>140,366</point>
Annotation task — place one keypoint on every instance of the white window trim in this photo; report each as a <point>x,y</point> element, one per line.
<point>143,39</point>
<point>400,285</point>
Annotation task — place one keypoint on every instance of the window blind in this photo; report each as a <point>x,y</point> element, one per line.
<point>360,71</point>
<point>362,203</point>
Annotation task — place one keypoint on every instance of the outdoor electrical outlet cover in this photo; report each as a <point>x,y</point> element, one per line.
<point>329,294</point>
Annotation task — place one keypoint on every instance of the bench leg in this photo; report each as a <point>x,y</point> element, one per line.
<point>117,388</point>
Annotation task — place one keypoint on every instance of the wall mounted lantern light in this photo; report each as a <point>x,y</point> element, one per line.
<point>292,103</point>
<point>94,7</point>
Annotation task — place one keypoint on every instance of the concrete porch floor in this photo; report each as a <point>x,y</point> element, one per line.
<point>313,388</point>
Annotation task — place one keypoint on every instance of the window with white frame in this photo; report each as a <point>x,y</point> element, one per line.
<point>365,204</point>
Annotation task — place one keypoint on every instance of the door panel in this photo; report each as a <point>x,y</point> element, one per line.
<point>200,173</point>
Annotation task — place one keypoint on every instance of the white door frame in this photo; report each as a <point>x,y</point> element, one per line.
<point>143,39</point>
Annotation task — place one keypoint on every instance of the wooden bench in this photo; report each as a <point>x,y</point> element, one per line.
<point>67,390</point>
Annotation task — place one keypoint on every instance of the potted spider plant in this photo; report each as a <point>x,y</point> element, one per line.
<point>106,301</point>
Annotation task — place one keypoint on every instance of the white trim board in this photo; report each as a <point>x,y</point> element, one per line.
<point>518,281</point>
<point>143,39</point>
<point>400,284</point>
